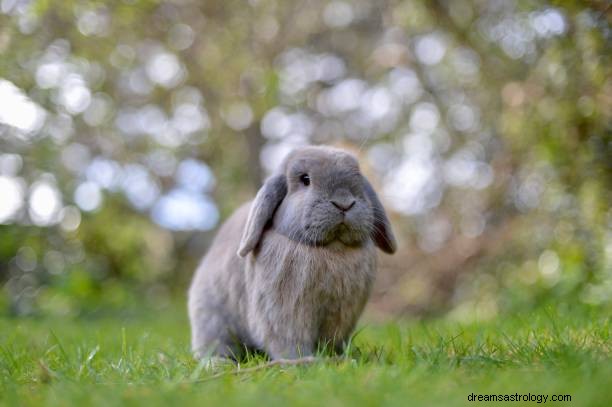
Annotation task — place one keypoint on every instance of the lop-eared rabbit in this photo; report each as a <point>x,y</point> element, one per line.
<point>293,269</point>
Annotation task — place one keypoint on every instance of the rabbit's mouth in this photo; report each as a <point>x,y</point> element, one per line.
<point>345,233</point>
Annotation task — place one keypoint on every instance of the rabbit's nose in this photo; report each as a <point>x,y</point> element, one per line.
<point>343,204</point>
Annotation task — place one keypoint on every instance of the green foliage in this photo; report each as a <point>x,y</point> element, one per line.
<point>484,125</point>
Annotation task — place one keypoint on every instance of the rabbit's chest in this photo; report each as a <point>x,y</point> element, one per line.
<point>312,282</point>
<point>334,277</point>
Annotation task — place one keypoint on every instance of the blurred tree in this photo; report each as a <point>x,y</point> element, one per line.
<point>128,129</point>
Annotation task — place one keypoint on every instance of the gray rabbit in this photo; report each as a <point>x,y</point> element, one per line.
<point>302,272</point>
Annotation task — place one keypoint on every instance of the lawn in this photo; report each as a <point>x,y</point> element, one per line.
<point>136,359</point>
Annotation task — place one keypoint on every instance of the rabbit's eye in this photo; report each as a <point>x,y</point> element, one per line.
<point>305,179</point>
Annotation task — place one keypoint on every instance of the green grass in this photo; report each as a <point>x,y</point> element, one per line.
<point>145,360</point>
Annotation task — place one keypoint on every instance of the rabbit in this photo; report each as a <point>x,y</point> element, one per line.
<point>292,270</point>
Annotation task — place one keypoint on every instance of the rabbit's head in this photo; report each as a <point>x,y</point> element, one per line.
<point>319,196</point>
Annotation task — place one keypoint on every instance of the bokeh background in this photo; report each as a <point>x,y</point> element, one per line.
<point>130,129</point>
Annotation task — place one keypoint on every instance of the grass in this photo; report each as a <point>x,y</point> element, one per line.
<point>145,360</point>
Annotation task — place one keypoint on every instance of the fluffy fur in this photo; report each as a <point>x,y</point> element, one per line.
<point>302,272</point>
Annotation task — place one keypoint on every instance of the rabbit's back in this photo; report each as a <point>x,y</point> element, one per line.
<point>217,300</point>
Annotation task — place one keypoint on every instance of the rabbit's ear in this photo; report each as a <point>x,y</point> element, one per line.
<point>382,233</point>
<point>268,198</point>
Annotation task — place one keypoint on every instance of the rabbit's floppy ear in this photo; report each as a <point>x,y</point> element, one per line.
<point>382,233</point>
<point>264,205</point>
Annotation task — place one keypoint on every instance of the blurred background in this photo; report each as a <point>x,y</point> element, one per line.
<point>130,130</point>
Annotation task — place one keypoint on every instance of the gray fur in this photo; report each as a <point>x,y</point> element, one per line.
<point>302,272</point>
